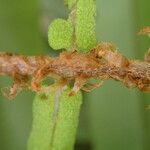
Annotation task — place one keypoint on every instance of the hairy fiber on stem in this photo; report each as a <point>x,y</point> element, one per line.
<point>104,62</point>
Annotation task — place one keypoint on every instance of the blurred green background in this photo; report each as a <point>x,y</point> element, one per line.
<point>112,117</point>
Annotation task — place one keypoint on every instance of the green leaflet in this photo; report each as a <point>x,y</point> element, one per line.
<point>85,25</point>
<point>60,34</point>
<point>42,125</point>
<point>55,121</point>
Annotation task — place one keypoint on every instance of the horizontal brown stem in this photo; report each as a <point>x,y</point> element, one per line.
<point>103,62</point>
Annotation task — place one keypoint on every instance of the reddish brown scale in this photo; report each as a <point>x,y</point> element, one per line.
<point>11,64</point>
<point>72,65</point>
<point>145,31</point>
<point>21,68</point>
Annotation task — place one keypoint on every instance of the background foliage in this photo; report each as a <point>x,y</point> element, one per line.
<point>112,117</point>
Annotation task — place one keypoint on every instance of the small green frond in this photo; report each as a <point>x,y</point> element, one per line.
<point>60,34</point>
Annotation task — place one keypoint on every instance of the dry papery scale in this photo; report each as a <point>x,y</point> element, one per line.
<point>103,62</point>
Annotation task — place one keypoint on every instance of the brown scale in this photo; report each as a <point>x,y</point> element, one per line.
<point>103,62</point>
<point>145,31</point>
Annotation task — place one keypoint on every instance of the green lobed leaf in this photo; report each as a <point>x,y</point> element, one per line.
<point>60,34</point>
